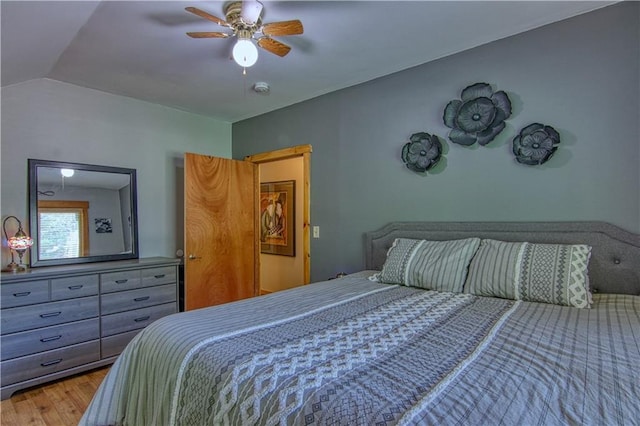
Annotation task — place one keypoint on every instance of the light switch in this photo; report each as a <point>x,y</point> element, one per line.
<point>316,232</point>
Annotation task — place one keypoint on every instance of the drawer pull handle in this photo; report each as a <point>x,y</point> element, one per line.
<point>22,294</point>
<point>121,281</point>
<point>141,299</point>
<point>159,276</point>
<point>142,318</point>
<point>49,363</point>
<point>50,339</point>
<point>50,314</point>
<point>76,287</point>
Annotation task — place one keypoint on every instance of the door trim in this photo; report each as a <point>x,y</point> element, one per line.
<point>303,151</point>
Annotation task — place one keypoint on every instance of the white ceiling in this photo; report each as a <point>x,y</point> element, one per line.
<point>51,177</point>
<point>139,48</point>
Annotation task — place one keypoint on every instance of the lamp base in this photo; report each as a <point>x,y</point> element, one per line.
<point>14,267</point>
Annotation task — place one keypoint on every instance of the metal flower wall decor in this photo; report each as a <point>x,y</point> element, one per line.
<point>535,144</point>
<point>422,152</point>
<point>479,115</point>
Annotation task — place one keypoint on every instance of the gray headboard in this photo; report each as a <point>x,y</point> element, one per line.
<point>615,258</point>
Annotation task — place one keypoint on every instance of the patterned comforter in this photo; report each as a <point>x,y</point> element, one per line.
<point>354,352</point>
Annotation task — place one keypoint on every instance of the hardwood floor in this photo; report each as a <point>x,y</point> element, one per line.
<point>59,403</point>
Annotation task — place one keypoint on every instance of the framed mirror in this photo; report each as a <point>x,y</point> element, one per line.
<point>81,213</point>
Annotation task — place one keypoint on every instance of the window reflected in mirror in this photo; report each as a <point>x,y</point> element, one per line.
<point>64,229</point>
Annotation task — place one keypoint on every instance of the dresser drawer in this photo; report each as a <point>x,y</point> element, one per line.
<point>70,287</point>
<point>47,338</point>
<point>133,320</point>
<point>25,293</point>
<point>140,298</point>
<point>41,364</point>
<point>118,281</point>
<point>114,345</point>
<point>46,314</point>
<point>158,276</point>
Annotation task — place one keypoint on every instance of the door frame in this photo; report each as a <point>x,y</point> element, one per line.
<point>303,151</point>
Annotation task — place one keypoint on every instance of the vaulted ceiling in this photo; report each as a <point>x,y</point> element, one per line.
<point>139,49</point>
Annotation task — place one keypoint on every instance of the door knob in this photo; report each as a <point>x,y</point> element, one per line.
<point>193,257</point>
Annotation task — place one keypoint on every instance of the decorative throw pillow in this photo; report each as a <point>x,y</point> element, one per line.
<point>433,265</point>
<point>548,273</point>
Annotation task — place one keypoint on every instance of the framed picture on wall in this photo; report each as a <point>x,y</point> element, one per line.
<point>277,218</point>
<point>103,225</point>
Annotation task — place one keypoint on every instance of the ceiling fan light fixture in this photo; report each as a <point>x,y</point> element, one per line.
<point>243,17</point>
<point>245,53</point>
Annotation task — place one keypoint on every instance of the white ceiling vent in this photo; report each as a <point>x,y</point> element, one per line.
<point>261,87</point>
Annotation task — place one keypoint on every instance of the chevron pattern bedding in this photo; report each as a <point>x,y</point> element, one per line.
<point>355,352</point>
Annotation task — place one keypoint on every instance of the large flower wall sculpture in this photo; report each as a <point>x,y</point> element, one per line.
<point>422,152</point>
<point>535,144</point>
<point>479,115</point>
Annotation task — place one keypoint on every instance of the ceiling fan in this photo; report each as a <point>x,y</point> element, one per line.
<point>244,21</point>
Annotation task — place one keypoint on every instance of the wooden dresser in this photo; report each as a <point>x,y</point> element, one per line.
<point>61,320</point>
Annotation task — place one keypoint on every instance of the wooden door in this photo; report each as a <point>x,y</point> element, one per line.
<point>221,223</point>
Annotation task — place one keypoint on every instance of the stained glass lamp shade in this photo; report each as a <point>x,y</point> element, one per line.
<point>20,242</point>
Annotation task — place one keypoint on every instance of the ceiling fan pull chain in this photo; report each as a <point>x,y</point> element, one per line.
<point>244,84</point>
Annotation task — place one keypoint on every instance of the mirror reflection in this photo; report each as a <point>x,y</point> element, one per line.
<point>81,212</point>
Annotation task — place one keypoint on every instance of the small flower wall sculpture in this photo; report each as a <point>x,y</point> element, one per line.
<point>479,116</point>
<point>535,144</point>
<point>421,152</point>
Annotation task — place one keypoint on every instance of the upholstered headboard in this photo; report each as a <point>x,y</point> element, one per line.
<point>615,258</point>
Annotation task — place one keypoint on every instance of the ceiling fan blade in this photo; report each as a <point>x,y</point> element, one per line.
<point>283,28</point>
<point>208,34</point>
<point>273,46</point>
<point>251,10</point>
<point>205,15</point>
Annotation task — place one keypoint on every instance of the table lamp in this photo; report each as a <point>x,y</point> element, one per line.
<point>20,242</point>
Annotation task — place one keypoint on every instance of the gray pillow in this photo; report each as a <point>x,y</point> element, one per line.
<point>432,265</point>
<point>548,273</point>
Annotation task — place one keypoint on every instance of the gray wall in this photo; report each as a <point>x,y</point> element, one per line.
<point>580,76</point>
<point>50,120</point>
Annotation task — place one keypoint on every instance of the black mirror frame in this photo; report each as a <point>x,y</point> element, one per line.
<point>33,213</point>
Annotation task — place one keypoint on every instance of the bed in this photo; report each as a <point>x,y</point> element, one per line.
<point>359,351</point>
